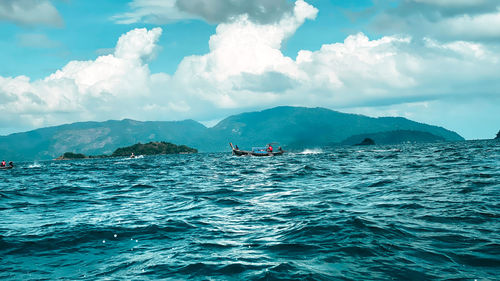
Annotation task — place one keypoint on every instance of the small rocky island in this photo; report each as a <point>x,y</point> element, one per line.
<point>498,136</point>
<point>71,156</point>
<point>151,148</point>
<point>366,141</point>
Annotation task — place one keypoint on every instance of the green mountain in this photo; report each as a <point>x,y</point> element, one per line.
<point>298,127</point>
<point>292,127</point>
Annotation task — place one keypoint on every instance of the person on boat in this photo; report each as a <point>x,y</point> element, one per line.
<point>11,164</point>
<point>132,156</point>
<point>3,163</point>
<point>236,147</point>
<point>280,150</point>
<point>270,148</point>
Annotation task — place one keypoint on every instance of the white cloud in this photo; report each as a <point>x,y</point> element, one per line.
<point>237,49</point>
<point>110,86</point>
<point>30,12</point>
<point>338,67</point>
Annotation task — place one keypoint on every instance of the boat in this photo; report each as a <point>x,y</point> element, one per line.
<point>6,167</point>
<point>257,151</point>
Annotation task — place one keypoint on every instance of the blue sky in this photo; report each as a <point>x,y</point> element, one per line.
<point>430,61</point>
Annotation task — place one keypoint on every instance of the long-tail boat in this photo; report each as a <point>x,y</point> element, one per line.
<point>257,151</point>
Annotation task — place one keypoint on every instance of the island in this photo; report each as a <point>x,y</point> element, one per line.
<point>366,141</point>
<point>151,148</point>
<point>498,136</point>
<point>71,156</point>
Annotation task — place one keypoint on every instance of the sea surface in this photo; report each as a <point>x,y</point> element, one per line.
<point>407,212</point>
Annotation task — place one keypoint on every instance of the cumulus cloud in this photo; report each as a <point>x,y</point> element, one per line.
<point>242,48</point>
<point>30,12</point>
<point>212,11</point>
<point>104,87</point>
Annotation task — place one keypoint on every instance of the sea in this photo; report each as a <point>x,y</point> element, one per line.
<point>402,212</point>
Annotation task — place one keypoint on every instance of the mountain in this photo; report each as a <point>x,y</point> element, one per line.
<point>298,127</point>
<point>395,137</point>
<point>292,127</point>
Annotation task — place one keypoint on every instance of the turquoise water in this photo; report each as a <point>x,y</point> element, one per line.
<point>411,212</point>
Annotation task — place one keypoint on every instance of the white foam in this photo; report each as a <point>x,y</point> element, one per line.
<point>34,165</point>
<point>312,151</point>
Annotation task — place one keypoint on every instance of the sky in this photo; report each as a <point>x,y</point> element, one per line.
<point>431,61</point>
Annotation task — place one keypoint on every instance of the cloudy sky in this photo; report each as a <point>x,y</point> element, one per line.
<point>432,61</point>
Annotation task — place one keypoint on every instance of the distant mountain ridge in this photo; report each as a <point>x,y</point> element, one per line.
<point>293,127</point>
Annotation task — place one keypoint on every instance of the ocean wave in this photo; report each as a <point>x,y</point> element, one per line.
<point>425,212</point>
